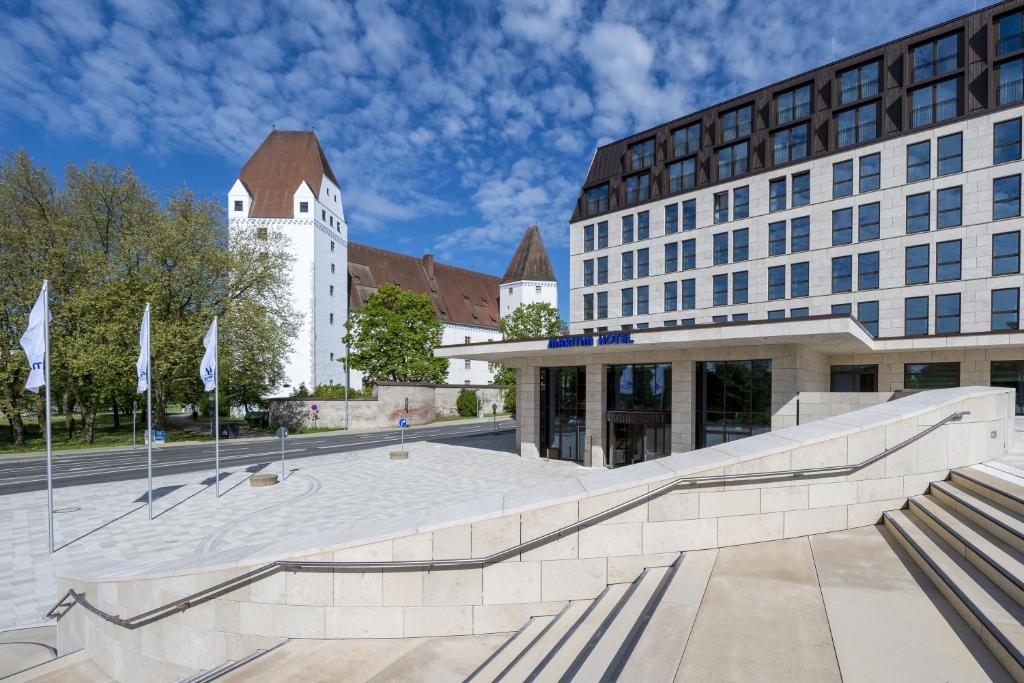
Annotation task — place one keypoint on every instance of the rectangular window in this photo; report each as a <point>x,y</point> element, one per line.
<point>867,314</point>
<point>641,155</point>
<point>643,262</point>
<point>1006,254</point>
<point>919,161</point>
<point>588,238</point>
<point>303,207</point>
<point>800,279</point>
<point>588,306</point>
<point>951,154</point>
<point>857,125</point>
<point>740,244</point>
<point>736,123</point>
<point>789,144</point>
<point>687,139</point>
<point>719,319</point>
<point>842,274</point>
<point>1006,141</point>
<point>602,305</point>
<point>689,254</point>
<point>870,172</point>
<point>689,294</point>
<point>918,376</point>
<point>627,265</point>
<point>739,287</point>
<point>721,207</point>
<point>642,300</point>
<point>947,261</point>
<point>842,179</point>
<point>721,248</point>
<point>949,202</point>
<point>1006,309</point>
<point>627,229</point>
<point>1006,197</point>
<point>670,323</point>
<point>740,203</point>
<point>687,322</point>
<point>682,175</point>
<point>776,315</point>
<point>802,189</point>
<point>671,219</point>
<point>802,312</point>
<point>597,199</point>
<point>947,314</point>
<point>627,301</point>
<point>670,296</point>
<point>853,378</point>
<point>602,270</point>
<point>842,309</point>
<point>588,272</point>
<point>739,317</point>
<point>732,161</point>
<point>1011,81</point>
<point>602,234</point>
<point>915,316</point>
<point>842,226</point>
<point>720,290</point>
<point>918,213</point>
<point>777,194</point>
<point>777,238</point>
<point>777,283</point>
<point>690,214</point>
<point>671,257</point>
<point>867,270</point>
<point>638,188</point>
<point>916,268</point>
<point>936,57</point>
<point>935,103</point>
<point>1010,29</point>
<point>868,218</point>
<point>800,234</point>
<point>859,82</point>
<point>643,225</point>
<point>793,104</point>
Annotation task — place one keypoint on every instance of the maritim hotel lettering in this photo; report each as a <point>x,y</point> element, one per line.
<point>587,340</point>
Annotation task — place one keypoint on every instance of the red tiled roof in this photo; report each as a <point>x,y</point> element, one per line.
<point>274,172</point>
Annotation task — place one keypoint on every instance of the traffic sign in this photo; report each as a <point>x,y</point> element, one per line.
<point>494,408</point>
<point>282,432</point>
<point>314,408</point>
<point>403,423</point>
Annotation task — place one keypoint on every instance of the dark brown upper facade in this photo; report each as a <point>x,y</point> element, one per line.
<point>962,68</point>
<point>285,159</point>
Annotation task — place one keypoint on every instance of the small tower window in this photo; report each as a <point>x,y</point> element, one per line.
<point>538,289</point>
<point>332,290</point>
<point>330,318</point>
<point>303,207</point>
<point>323,214</point>
<point>238,205</point>
<point>332,246</point>
<point>332,267</point>
<point>332,358</point>
<point>467,340</point>
<point>331,221</point>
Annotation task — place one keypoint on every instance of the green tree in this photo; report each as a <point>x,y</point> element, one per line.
<point>391,338</point>
<point>467,403</point>
<point>527,321</point>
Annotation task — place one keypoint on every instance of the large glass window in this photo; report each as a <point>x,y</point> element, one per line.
<point>563,412</point>
<point>721,207</point>
<point>858,83</point>
<point>733,400</point>
<point>740,203</point>
<point>842,226</point>
<point>1006,309</point>
<point>639,411</point>
<point>627,229</point>
<point>936,57</point>
<point>682,175</point>
<point>597,199</point>
<point>917,268</point>
<point>671,257</point>
<point>671,294</point>
<point>1006,253</point>
<point>627,265</point>
<point>1006,145</point>
<point>935,103</point>
<point>602,234</point>
<point>638,188</point>
<point>690,214</point>
<point>641,155</point>
<point>800,279</point>
<point>951,153</point>
<point>867,314</point>
<point>588,272</point>
<point>721,248</point>
<point>720,292</point>
<point>588,306</point>
<point>588,238</point>
<point>627,301</point>
<point>802,189</point>
<point>842,274</point>
<point>777,238</point>
<point>1010,33</point>
<point>689,254</point>
<point>947,314</point>
<point>915,316</point>
<point>793,104</point>
<point>740,244</point>
<point>867,271</point>
<point>777,282</point>
<point>854,378</point>
<point>732,161</point>
<point>842,179</point>
<point>643,263</point>
<point>689,294</point>
<point>1011,81</point>
<point>687,139</point>
<point>643,225</point>
<point>857,125</point>
<point>602,305</point>
<point>800,234</point>
<point>643,298</point>
<point>1010,374</point>
<point>602,270</point>
<point>739,287</point>
<point>870,172</point>
<point>1006,197</point>
<point>947,261</point>
<point>868,221</point>
<point>671,219</point>
<point>736,123</point>
<point>918,213</point>
<point>931,376</point>
<point>919,161</point>
<point>789,144</point>
<point>777,194</point>
<point>950,205</point>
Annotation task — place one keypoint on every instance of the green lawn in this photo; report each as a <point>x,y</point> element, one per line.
<point>103,431</point>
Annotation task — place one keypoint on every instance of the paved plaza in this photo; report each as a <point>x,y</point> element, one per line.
<point>330,498</point>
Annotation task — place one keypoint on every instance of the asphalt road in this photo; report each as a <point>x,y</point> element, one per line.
<point>28,472</point>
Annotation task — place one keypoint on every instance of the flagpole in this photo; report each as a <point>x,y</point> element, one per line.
<point>149,414</point>
<point>49,449</point>
<point>216,403</point>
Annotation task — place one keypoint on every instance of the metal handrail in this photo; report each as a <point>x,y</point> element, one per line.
<point>271,568</point>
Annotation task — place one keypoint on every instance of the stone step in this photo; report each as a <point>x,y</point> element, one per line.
<point>548,641</point>
<point>983,512</point>
<point>999,562</point>
<point>990,613</point>
<point>491,669</point>
<point>995,488</point>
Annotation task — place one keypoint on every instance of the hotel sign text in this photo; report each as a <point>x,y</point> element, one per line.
<point>589,340</point>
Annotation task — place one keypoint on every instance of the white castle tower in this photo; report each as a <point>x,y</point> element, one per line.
<point>288,185</point>
<point>529,278</point>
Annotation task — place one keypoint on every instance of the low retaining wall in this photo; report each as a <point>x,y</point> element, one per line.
<point>809,406</point>
<point>502,596</point>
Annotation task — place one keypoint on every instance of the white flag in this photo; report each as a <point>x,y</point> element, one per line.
<point>34,343</point>
<point>142,365</point>
<point>208,368</point>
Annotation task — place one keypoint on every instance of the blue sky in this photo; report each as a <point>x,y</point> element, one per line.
<point>451,126</point>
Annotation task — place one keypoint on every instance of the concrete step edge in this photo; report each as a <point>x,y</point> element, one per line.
<point>995,519</point>
<point>990,487</point>
<point>515,644</point>
<point>546,642</point>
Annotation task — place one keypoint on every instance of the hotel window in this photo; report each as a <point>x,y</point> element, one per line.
<point>842,274</point>
<point>642,299</point>
<point>916,266</point>
<point>303,207</point>
<point>643,263</point>
<point>842,179</point>
<point>842,226</point>
<point>669,323</point>
<point>588,238</point>
<point>853,378</point>
<point>793,104</point>
<point>802,312</point>
<point>740,244</point>
<point>627,229</point>
<point>950,154</point>
<point>777,195</point>
<point>689,254</point>
<point>671,257</point>
<point>868,217</point>
<point>1006,254</point>
<point>641,155</point>
<point>670,296</point>
<point>588,272</point>
<point>602,234</point>
<point>858,83</point>
<point>627,265</point>
<point>643,225</point>
<point>800,234</point>
<point>721,248</point>
<point>802,189</point>
<point>776,314</point>
<point>931,376</point>
<point>1005,309</point>
<point>687,139</point>
<point>919,161</point>
<point>736,123</point>
<point>1011,81</point>
<point>915,316</point>
<point>949,202</point>
<point>842,309</point>
<point>739,287</point>
<point>1010,29</point>
<point>719,319</point>
<point>935,103</point>
<point>732,161</point>
<point>721,207</point>
<point>671,219</point>
<point>857,125</point>
<point>800,279</point>
<point>776,283</point>
<point>777,238</point>
<point>602,305</point>
<point>690,214</point>
<point>947,261</point>
<point>627,301</point>
<point>1006,141</point>
<point>720,290</point>
<point>739,317</point>
<point>867,314</point>
<point>947,314</point>
<point>789,144</point>
<point>740,203</point>
<point>867,270</point>
<point>1006,197</point>
<point>602,270</point>
<point>588,306</point>
<point>689,301</point>
<point>638,188</point>
<point>870,172</point>
<point>687,322</point>
<point>936,57</point>
<point>682,175</point>
<point>918,213</point>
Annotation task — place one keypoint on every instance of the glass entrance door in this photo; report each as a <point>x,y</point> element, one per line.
<point>633,443</point>
<point>563,425</point>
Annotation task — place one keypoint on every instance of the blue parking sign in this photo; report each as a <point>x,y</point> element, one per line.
<point>403,423</point>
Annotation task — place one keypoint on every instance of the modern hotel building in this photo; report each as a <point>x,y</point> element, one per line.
<point>828,240</point>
